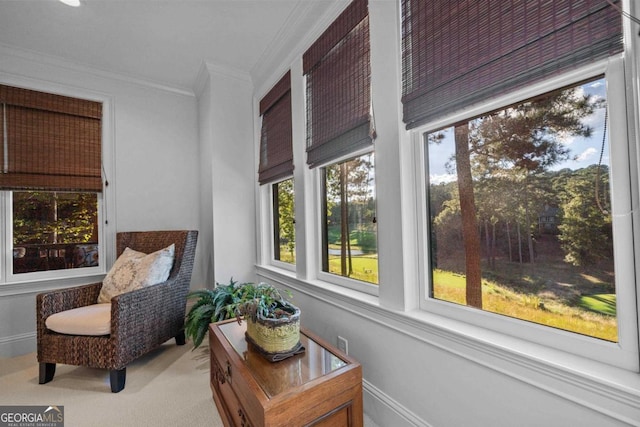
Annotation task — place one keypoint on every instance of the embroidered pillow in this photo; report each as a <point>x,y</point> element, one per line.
<point>134,270</point>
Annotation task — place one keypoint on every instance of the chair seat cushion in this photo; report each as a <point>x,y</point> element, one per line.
<point>134,270</point>
<point>89,320</point>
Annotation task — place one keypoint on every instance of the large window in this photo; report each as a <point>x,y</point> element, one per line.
<point>520,212</point>
<point>51,182</point>
<point>527,217</point>
<point>350,245</point>
<point>339,126</point>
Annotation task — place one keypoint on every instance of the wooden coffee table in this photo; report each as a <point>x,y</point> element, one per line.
<point>320,387</point>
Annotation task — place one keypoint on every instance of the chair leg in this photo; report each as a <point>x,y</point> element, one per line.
<point>117,378</point>
<point>180,338</point>
<point>47,371</point>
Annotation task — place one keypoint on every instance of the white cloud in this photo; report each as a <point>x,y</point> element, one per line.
<point>587,154</point>
<point>442,178</point>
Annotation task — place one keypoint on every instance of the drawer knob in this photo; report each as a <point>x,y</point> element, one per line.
<point>228,373</point>
<point>243,418</point>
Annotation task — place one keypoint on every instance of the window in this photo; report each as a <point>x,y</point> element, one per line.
<point>284,231</point>
<point>505,199</point>
<point>54,230</point>
<point>51,182</point>
<point>350,246</point>
<point>526,218</point>
<point>276,164</point>
<point>493,179</point>
<point>339,125</point>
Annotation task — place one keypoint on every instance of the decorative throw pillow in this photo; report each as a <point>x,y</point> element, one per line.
<point>134,270</point>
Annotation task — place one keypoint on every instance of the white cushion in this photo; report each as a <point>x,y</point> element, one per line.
<point>134,270</point>
<point>90,320</point>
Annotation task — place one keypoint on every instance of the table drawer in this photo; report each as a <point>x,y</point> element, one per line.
<point>232,386</point>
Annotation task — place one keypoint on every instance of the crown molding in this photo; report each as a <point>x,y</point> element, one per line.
<point>294,37</point>
<point>58,62</point>
<point>202,79</point>
<point>209,69</point>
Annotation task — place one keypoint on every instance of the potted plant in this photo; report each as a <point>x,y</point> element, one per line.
<point>210,307</point>
<point>273,323</point>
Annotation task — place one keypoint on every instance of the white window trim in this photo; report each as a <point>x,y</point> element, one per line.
<point>11,284</point>
<point>623,354</point>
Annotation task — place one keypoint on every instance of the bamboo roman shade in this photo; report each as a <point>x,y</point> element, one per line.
<point>338,87</point>
<point>456,53</point>
<point>49,142</point>
<point>276,140</point>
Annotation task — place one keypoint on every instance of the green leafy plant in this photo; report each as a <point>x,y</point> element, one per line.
<point>210,307</point>
<point>261,300</point>
<point>234,300</point>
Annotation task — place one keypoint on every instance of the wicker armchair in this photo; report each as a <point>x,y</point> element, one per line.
<point>141,320</point>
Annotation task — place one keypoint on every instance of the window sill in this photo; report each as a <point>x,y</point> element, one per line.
<point>47,284</point>
<point>319,287</point>
<point>607,389</point>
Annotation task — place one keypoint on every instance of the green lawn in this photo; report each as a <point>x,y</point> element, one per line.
<point>597,321</point>
<point>365,267</point>
<point>600,303</point>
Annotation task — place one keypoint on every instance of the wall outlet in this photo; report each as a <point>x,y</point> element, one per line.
<point>343,345</point>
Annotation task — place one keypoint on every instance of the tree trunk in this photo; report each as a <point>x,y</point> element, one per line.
<point>493,245</point>
<point>471,237</point>
<point>519,243</point>
<point>509,241</point>
<point>344,219</point>
<point>487,242</point>
<point>528,224</point>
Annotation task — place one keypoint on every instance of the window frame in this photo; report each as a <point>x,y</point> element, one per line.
<point>623,179</point>
<point>12,284</point>
<point>336,279</point>
<point>8,276</point>
<point>270,241</point>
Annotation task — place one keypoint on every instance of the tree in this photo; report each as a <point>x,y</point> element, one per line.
<point>521,142</point>
<point>512,149</point>
<point>286,221</point>
<point>54,217</point>
<point>586,229</point>
<point>349,187</point>
<point>469,223</point>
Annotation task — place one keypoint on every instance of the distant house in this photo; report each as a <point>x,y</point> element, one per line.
<point>548,220</point>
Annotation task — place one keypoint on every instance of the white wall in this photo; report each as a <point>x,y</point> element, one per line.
<point>154,183</point>
<point>228,172</point>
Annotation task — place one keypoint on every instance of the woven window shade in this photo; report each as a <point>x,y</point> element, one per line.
<point>338,87</point>
<point>276,140</point>
<point>463,52</point>
<point>49,142</point>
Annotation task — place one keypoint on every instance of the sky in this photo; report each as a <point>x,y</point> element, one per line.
<point>586,151</point>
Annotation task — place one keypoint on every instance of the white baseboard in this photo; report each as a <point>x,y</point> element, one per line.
<point>17,345</point>
<point>383,410</point>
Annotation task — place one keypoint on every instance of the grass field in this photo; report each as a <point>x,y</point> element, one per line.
<point>365,267</point>
<point>594,316</point>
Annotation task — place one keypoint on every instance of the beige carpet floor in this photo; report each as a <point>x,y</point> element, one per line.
<point>168,387</point>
